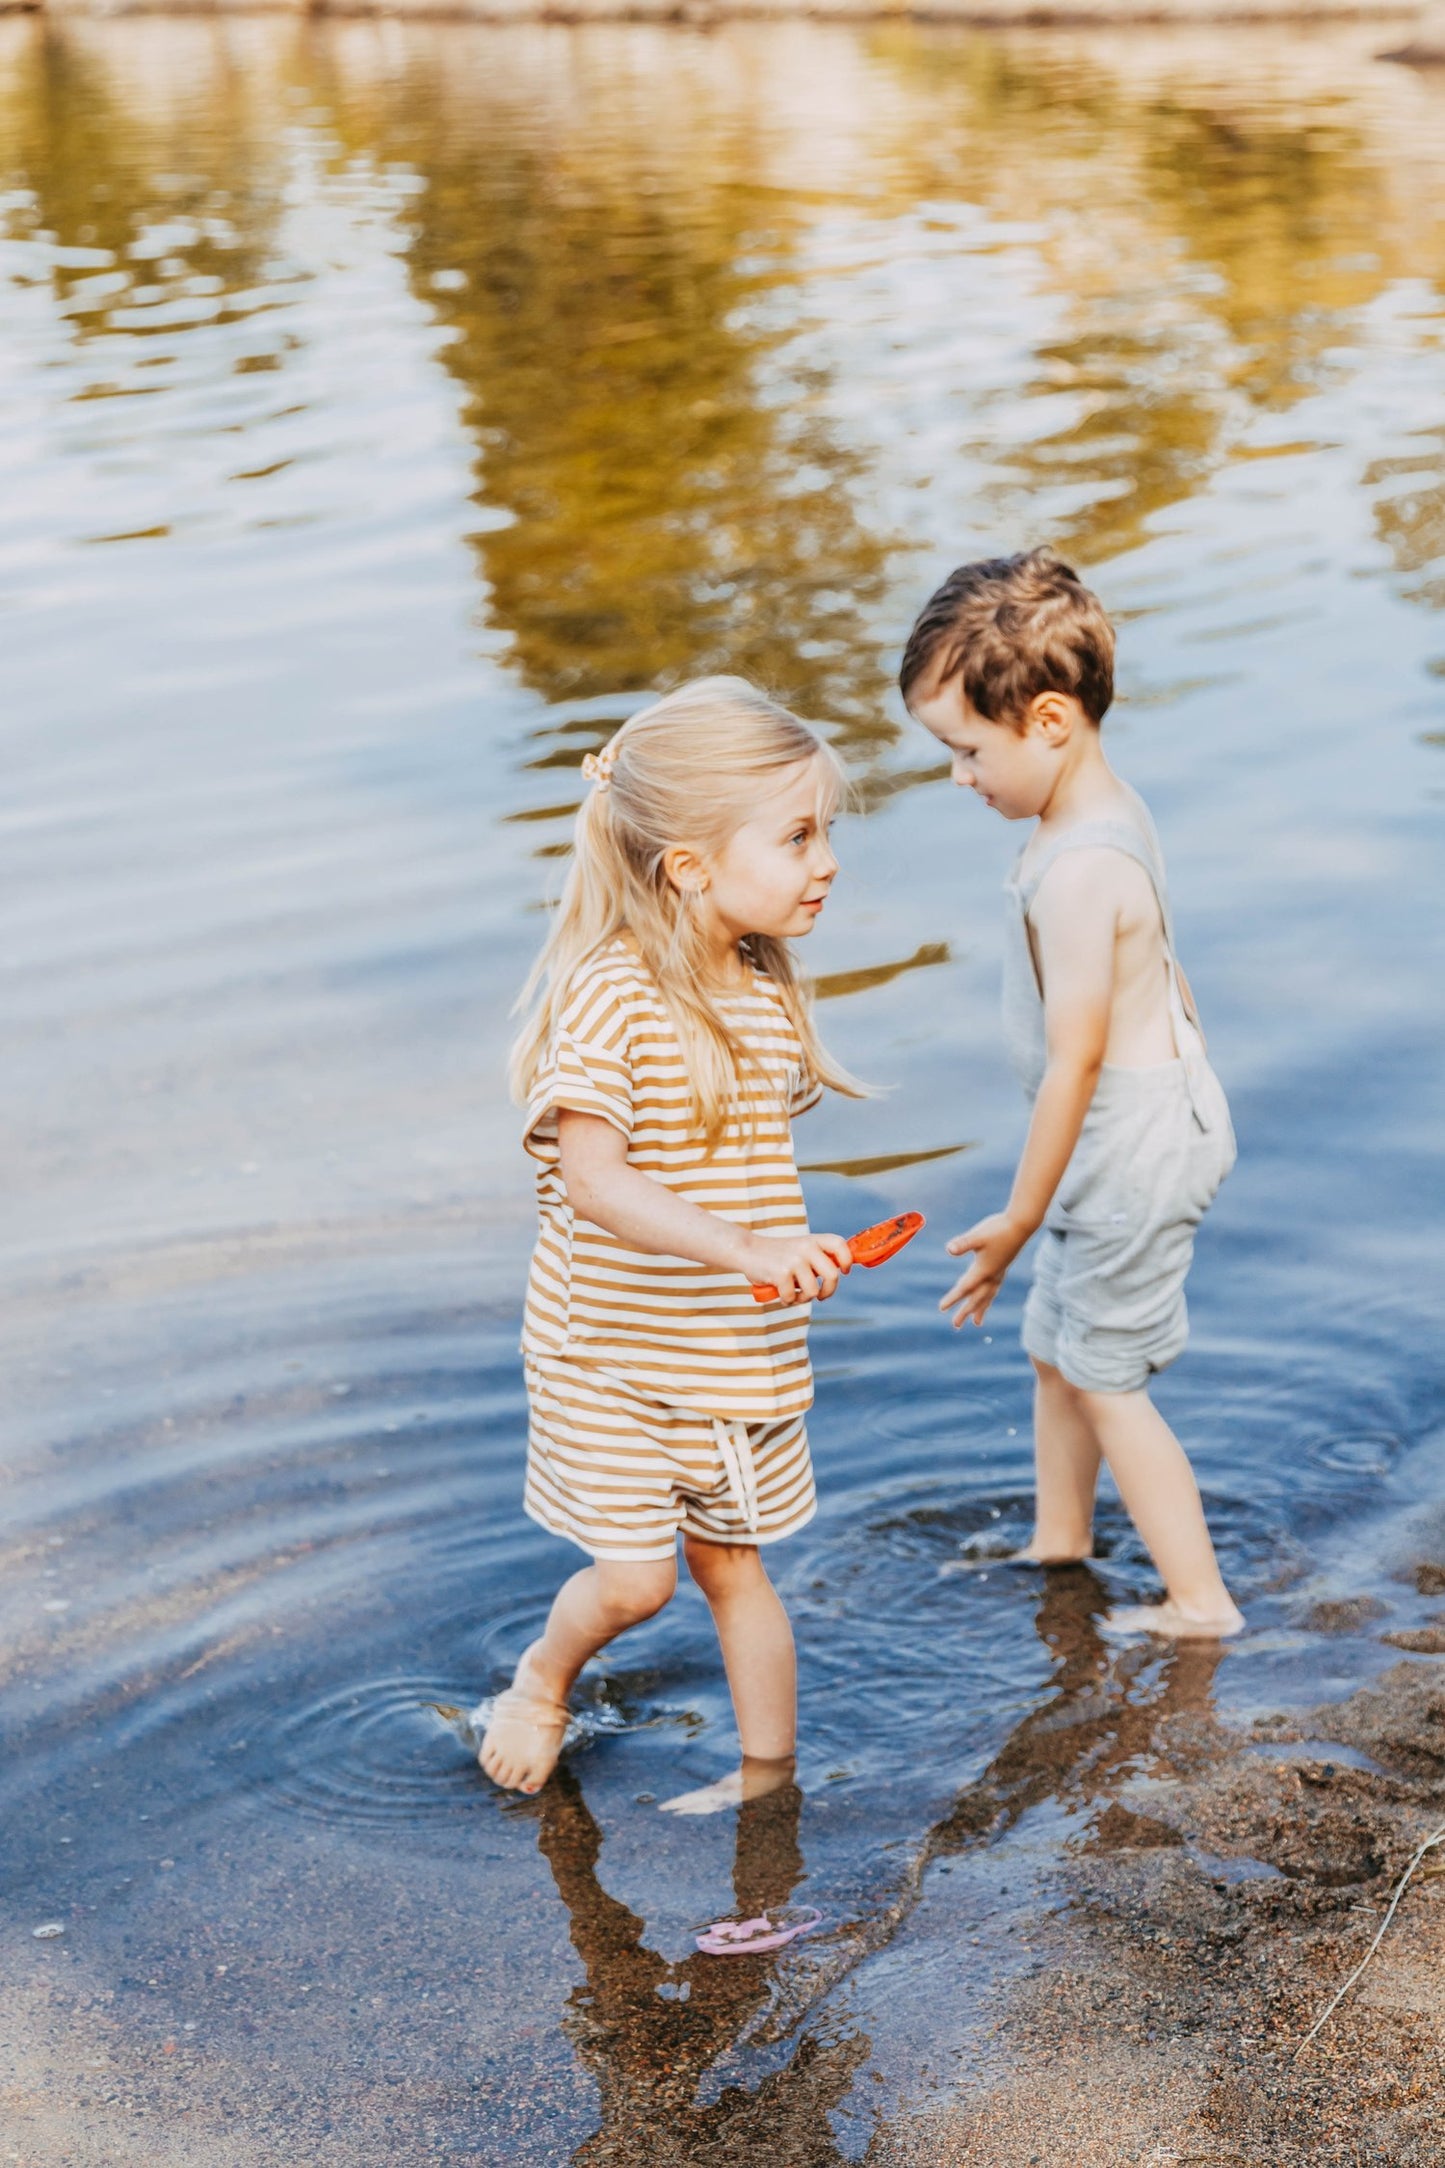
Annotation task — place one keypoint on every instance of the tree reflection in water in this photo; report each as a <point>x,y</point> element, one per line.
<point>128,208</point>
<point>695,435</point>
<point>670,505</point>
<point>688,404</point>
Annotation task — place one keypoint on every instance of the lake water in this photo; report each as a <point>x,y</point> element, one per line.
<point>385,412</point>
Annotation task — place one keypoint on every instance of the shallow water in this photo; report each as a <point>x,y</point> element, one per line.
<point>384,411</point>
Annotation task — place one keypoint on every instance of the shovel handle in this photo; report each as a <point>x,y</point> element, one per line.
<point>874,1246</point>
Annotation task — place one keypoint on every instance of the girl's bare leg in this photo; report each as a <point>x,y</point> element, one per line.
<point>1066,1465</point>
<point>1158,1488</point>
<point>521,1747</point>
<point>762,1672</point>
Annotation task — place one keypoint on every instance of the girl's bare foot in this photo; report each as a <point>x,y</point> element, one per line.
<point>524,1736</point>
<point>1174,1624</point>
<point>751,1781</point>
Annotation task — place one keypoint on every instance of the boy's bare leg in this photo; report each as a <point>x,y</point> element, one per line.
<point>522,1743</point>
<point>1066,1471</point>
<point>762,1671</point>
<point>1158,1488</point>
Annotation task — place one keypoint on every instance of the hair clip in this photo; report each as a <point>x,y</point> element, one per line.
<point>598,767</point>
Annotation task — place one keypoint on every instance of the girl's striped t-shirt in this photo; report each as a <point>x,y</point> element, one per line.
<point>676,1332</point>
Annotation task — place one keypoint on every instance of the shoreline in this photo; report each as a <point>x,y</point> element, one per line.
<point>1192,1941</point>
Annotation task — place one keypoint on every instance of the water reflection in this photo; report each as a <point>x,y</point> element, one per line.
<point>663,2039</point>
<point>645,305</point>
<point>861,980</point>
<point>1213,254</point>
<point>1097,1724</point>
<point>648,318</point>
<point>140,237</point>
<point>1410,515</point>
<point>651,2032</point>
<point>651,512</point>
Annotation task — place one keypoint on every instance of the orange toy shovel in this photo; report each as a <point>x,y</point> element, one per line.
<point>873,1247</point>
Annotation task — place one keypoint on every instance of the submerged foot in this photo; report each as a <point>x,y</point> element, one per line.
<point>1172,1622</point>
<point>977,1558</point>
<point>755,1778</point>
<point>525,1733</point>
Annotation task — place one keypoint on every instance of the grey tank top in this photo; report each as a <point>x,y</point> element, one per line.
<point>1023,1004</point>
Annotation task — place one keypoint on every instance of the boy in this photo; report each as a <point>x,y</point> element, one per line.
<point>1011,666</point>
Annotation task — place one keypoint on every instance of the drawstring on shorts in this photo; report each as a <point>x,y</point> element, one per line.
<point>735,1451</point>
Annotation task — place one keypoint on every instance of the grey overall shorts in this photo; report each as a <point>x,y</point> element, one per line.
<point>1107,1304</point>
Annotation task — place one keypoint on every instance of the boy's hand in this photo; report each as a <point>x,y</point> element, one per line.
<point>995,1242</point>
<point>803,1268</point>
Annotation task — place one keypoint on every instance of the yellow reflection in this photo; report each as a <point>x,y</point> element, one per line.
<point>701,438</point>
<point>1410,515</point>
<point>1216,209</point>
<point>867,976</point>
<point>151,213</point>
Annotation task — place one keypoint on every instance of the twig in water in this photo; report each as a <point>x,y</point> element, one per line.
<point>1400,1888</point>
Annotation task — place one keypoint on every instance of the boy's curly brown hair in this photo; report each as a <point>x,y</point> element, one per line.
<point>1014,627</point>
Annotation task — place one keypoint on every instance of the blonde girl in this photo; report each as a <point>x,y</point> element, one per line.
<point>669,1041</point>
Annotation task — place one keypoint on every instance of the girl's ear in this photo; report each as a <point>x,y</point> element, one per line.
<point>685,869</point>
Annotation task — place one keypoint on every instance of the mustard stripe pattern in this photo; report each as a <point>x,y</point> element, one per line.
<point>621,1476</point>
<point>678,1335</point>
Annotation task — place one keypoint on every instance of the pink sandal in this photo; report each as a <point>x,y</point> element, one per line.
<point>739,1938</point>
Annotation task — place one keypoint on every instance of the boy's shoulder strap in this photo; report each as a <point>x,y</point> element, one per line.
<point>1136,838</point>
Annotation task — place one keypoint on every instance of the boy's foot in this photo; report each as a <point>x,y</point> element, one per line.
<point>1033,1557</point>
<point>1018,1561</point>
<point>525,1732</point>
<point>1174,1624</point>
<point>751,1781</point>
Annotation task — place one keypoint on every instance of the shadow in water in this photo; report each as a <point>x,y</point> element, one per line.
<point>653,2033</point>
<point>1099,1726</point>
<point>650,2031</point>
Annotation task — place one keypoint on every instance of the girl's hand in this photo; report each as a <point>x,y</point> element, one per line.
<point>995,1243</point>
<point>803,1268</point>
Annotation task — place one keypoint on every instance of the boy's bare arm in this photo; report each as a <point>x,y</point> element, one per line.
<point>650,1217</point>
<point>1075,921</point>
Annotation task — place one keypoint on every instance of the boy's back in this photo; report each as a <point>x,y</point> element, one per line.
<point>1092,898</point>
<point>1092,893</point>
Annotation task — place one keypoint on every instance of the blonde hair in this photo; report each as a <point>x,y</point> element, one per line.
<point>690,769</point>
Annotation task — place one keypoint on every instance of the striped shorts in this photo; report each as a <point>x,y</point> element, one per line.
<point>620,1475</point>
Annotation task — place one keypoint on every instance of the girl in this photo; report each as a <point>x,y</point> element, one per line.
<point>669,1043</point>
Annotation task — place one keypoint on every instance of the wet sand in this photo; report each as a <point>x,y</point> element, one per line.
<point>1195,1939</point>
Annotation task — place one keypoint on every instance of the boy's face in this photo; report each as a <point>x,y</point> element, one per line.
<point>1013,768</point>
